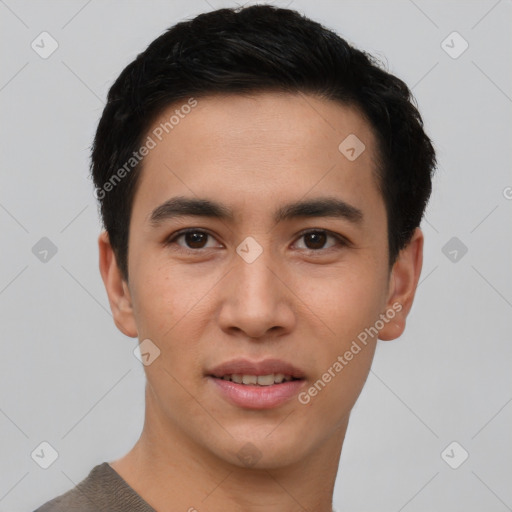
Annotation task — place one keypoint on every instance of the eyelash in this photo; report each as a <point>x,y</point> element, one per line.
<point>341,241</point>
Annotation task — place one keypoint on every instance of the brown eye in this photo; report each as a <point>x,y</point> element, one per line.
<point>194,239</point>
<point>315,240</point>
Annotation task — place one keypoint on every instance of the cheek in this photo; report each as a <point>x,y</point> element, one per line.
<point>158,300</point>
<point>171,307</point>
<point>347,302</point>
<point>351,306</point>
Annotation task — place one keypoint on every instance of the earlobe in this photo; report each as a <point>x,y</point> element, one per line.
<point>402,287</point>
<point>116,287</point>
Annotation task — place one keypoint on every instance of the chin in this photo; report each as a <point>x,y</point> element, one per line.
<point>268,450</point>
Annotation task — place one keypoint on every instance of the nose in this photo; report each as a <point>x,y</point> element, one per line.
<point>256,300</point>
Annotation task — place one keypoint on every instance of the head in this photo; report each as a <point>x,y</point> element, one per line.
<point>252,113</point>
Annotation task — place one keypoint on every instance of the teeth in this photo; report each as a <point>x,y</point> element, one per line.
<point>279,377</point>
<point>250,379</point>
<point>261,380</point>
<point>264,380</point>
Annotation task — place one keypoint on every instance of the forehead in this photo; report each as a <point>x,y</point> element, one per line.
<point>228,145</point>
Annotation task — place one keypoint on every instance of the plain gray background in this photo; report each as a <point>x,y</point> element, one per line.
<point>68,377</point>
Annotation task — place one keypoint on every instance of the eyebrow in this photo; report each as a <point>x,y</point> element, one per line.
<point>319,207</point>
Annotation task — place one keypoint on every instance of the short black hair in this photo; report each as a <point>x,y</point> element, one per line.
<point>258,49</point>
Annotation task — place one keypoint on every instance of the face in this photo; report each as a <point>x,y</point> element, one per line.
<point>260,274</point>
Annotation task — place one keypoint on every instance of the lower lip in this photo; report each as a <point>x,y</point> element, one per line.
<point>257,397</point>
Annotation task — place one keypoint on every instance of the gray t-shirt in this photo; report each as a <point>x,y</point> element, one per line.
<point>103,490</point>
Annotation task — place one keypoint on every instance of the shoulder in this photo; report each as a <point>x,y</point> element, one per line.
<point>103,490</point>
<point>92,494</point>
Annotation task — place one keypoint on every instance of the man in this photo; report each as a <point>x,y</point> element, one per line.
<point>261,185</point>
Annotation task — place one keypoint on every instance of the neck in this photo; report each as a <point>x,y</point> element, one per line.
<point>173,473</point>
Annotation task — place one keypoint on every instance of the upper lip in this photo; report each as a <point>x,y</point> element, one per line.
<point>246,367</point>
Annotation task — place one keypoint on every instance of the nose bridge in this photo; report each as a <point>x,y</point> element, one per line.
<point>254,299</point>
<point>254,274</point>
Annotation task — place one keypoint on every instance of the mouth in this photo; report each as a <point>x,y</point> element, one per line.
<point>257,380</point>
<point>263,373</point>
<point>256,385</point>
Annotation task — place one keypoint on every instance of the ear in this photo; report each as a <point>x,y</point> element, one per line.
<point>403,281</point>
<point>117,288</point>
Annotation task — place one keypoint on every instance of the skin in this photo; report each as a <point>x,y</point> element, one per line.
<point>253,153</point>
